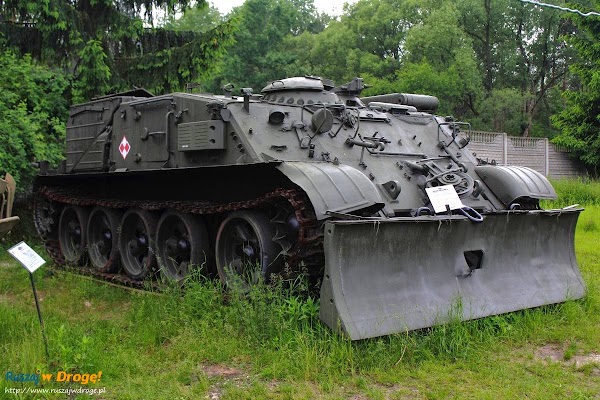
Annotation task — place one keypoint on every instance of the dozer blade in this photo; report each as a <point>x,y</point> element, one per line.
<point>389,276</point>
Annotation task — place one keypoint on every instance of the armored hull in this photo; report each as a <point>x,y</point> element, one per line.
<point>378,199</point>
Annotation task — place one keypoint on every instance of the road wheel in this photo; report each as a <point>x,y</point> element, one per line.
<point>245,251</point>
<point>72,234</point>
<point>103,239</point>
<point>182,243</point>
<point>137,230</point>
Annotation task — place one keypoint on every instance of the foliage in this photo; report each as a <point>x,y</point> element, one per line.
<point>189,57</point>
<point>93,73</point>
<point>33,111</point>
<point>379,27</point>
<point>195,19</point>
<point>440,61</point>
<point>259,54</point>
<point>333,53</point>
<point>579,122</point>
<point>105,45</point>
<point>501,111</point>
<point>367,41</point>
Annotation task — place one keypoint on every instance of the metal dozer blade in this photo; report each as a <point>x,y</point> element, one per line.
<point>400,274</point>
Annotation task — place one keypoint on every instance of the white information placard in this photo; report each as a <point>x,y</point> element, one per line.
<point>440,196</point>
<point>26,256</point>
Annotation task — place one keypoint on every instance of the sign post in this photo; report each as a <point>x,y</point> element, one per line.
<point>31,261</point>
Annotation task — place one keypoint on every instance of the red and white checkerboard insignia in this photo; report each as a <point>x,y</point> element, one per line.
<point>124,147</point>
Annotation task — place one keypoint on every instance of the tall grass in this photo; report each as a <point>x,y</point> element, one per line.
<point>582,191</point>
<point>159,345</point>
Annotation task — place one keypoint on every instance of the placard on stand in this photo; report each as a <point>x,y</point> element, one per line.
<point>31,261</point>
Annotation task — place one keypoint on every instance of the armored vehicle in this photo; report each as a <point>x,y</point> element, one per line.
<point>7,197</point>
<point>378,199</point>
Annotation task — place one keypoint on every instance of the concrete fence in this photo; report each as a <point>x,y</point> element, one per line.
<point>535,153</point>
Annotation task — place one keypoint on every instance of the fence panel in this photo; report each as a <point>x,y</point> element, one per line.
<point>535,153</point>
<point>562,165</point>
<point>488,146</point>
<point>528,152</point>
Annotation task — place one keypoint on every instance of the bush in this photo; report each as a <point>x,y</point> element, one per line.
<point>33,111</point>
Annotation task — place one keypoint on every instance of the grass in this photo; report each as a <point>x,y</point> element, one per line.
<point>581,191</point>
<point>204,343</point>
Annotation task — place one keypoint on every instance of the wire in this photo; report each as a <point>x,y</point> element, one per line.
<point>537,3</point>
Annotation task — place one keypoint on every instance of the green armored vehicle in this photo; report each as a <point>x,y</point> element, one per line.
<point>378,199</point>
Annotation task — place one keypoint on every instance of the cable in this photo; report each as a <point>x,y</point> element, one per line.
<point>537,3</point>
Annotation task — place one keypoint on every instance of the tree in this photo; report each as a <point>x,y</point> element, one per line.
<point>544,57</point>
<point>579,122</point>
<point>501,111</point>
<point>259,54</point>
<point>196,19</point>
<point>108,37</point>
<point>440,61</point>
<point>332,54</point>
<point>485,23</point>
<point>380,26</point>
<point>367,40</point>
<point>519,46</point>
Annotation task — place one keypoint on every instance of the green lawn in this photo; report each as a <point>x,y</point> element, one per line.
<point>203,344</point>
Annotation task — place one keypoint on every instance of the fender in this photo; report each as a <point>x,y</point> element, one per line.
<point>335,188</point>
<point>509,183</point>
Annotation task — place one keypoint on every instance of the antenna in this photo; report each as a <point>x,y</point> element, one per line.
<point>537,3</point>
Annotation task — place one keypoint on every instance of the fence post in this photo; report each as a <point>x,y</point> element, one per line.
<point>546,158</point>
<point>504,149</point>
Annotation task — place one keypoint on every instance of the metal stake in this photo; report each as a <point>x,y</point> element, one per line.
<point>37,305</point>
